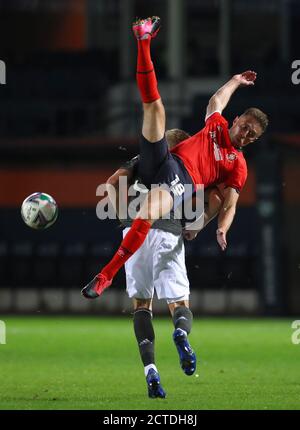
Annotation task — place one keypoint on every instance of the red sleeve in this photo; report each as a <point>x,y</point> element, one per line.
<point>215,119</point>
<point>238,176</point>
<point>217,126</point>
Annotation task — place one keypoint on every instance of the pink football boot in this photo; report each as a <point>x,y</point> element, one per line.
<point>145,28</point>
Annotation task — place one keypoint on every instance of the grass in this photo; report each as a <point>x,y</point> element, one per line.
<point>93,363</point>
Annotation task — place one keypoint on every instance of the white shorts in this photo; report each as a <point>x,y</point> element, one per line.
<point>159,264</point>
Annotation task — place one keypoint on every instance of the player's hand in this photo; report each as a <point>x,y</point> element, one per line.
<point>189,234</point>
<point>246,78</point>
<point>221,238</point>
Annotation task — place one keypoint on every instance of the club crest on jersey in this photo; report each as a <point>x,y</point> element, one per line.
<point>231,157</point>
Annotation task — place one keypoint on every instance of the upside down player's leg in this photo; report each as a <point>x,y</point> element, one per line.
<point>158,203</point>
<point>153,146</point>
<point>144,31</point>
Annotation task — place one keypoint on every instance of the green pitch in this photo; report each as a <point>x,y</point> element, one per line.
<point>93,363</point>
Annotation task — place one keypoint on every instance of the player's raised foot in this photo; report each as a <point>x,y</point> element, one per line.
<point>154,387</point>
<point>145,28</point>
<point>96,287</point>
<point>186,354</point>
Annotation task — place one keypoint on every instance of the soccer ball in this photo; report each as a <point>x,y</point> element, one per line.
<point>39,211</point>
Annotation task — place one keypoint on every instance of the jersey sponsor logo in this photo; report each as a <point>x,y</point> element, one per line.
<point>177,187</point>
<point>231,157</point>
<point>217,151</point>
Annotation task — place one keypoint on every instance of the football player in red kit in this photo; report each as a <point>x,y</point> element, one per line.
<point>210,157</point>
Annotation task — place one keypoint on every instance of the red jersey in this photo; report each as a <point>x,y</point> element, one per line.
<point>210,158</point>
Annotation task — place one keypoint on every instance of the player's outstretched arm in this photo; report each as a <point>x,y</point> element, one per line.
<point>215,200</point>
<point>226,215</point>
<point>220,99</point>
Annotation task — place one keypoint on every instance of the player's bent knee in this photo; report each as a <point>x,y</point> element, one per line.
<point>173,306</point>
<point>114,179</point>
<point>158,204</point>
<point>142,303</point>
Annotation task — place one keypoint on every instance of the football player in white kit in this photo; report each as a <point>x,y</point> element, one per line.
<point>159,266</point>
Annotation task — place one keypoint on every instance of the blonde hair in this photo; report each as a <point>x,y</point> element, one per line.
<point>175,136</point>
<point>259,116</point>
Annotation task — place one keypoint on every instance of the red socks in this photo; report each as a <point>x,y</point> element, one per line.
<point>145,74</point>
<point>130,244</point>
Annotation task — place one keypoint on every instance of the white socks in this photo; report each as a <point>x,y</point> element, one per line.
<point>150,366</point>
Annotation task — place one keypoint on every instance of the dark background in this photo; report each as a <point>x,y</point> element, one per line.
<point>71,114</point>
